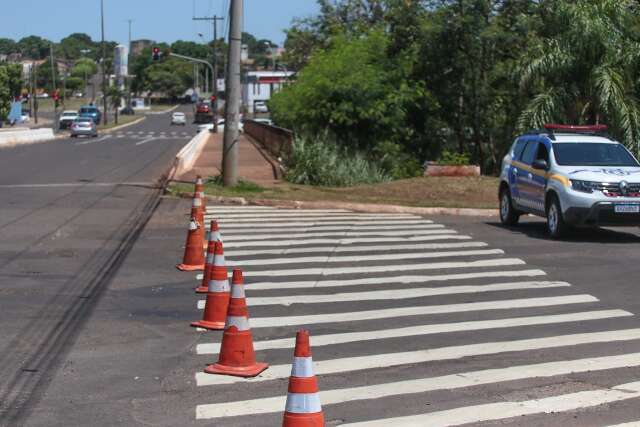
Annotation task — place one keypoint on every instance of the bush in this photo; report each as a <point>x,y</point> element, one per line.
<point>394,160</point>
<point>454,159</point>
<point>322,162</point>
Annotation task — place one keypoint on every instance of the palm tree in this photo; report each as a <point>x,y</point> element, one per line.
<point>586,71</point>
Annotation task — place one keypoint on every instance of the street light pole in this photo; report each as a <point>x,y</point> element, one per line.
<point>214,77</point>
<point>104,66</point>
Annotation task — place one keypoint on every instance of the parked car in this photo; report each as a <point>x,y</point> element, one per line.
<point>92,112</point>
<point>127,111</point>
<point>209,126</point>
<point>178,118</point>
<point>84,126</point>
<point>260,107</point>
<point>66,118</point>
<point>575,176</point>
<point>264,121</point>
<point>204,114</point>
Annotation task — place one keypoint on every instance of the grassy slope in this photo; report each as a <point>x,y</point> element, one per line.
<point>428,192</point>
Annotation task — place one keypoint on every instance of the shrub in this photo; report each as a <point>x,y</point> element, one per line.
<point>322,162</point>
<point>394,160</point>
<point>454,159</point>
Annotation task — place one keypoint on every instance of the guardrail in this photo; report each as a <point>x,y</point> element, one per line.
<point>278,142</point>
<point>25,136</point>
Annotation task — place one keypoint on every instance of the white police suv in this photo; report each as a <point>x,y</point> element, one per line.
<point>573,176</point>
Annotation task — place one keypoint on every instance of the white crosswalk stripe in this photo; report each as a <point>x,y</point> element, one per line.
<point>489,376</point>
<point>389,292</point>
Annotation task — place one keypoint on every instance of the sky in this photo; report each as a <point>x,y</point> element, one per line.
<point>159,20</point>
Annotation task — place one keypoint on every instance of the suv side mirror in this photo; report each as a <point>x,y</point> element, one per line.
<point>540,164</point>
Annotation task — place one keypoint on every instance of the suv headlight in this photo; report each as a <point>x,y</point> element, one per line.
<point>584,186</point>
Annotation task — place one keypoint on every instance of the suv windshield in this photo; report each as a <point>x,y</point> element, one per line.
<point>592,154</point>
<point>87,110</point>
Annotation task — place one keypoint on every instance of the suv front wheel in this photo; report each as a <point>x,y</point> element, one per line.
<point>556,227</point>
<point>508,215</point>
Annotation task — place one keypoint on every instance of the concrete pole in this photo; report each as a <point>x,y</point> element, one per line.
<point>232,105</point>
<point>104,67</point>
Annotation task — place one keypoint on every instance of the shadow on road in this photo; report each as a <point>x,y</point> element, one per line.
<point>537,230</point>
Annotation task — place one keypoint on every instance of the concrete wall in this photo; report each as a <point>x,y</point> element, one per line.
<point>24,136</point>
<point>278,142</point>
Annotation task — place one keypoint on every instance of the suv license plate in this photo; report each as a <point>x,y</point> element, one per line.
<point>627,209</point>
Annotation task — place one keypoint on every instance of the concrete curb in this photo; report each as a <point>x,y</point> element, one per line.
<point>186,158</point>
<point>12,138</point>
<point>135,122</point>
<point>356,207</point>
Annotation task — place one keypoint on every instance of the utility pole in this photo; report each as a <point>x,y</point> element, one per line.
<point>232,105</point>
<point>214,78</point>
<point>104,66</point>
<point>53,87</point>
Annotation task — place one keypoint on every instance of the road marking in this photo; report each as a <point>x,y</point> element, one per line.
<point>120,136</point>
<point>359,258</point>
<point>93,140</point>
<point>144,141</point>
<point>321,271</point>
<point>424,310</point>
<point>368,248</point>
<point>319,222</point>
<point>427,329</point>
<point>397,294</point>
<point>391,281</point>
<point>267,217</point>
<point>422,385</point>
<point>341,241</point>
<point>439,229</point>
<point>358,363</point>
<point>141,132</point>
<point>631,424</point>
<point>215,210</point>
<point>503,410</point>
<point>229,231</point>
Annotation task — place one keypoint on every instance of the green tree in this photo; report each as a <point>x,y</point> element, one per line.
<point>5,95</point>
<point>586,71</point>
<point>71,46</point>
<point>8,46</point>
<point>34,47</point>
<point>171,77</point>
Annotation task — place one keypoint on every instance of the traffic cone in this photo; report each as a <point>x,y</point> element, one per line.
<point>199,194</point>
<point>215,309</point>
<point>214,232</point>
<point>237,356</point>
<point>303,408</point>
<point>196,206</point>
<point>193,258</point>
<point>208,265</point>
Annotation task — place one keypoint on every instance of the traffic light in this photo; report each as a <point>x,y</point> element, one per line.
<point>213,98</point>
<point>155,53</point>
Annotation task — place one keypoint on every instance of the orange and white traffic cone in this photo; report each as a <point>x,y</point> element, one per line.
<point>303,408</point>
<point>217,303</point>
<point>237,356</point>
<point>214,232</point>
<point>193,258</point>
<point>197,206</point>
<point>199,193</point>
<point>208,265</point>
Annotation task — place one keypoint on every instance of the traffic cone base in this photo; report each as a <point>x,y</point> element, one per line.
<point>303,420</point>
<point>202,290</point>
<point>212,326</point>
<point>246,372</point>
<point>185,267</point>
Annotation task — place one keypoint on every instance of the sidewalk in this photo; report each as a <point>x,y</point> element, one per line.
<point>252,166</point>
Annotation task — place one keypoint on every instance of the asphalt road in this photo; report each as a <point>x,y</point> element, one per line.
<point>70,211</point>
<point>414,321</point>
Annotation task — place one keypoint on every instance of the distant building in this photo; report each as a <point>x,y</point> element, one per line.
<point>137,46</point>
<point>261,85</point>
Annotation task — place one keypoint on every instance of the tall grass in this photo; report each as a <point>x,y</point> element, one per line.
<point>322,162</point>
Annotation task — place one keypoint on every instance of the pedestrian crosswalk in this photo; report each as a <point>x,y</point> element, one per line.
<point>413,324</point>
<point>150,134</point>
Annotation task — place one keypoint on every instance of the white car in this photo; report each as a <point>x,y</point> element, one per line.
<point>268,122</point>
<point>209,126</point>
<point>66,118</point>
<point>260,107</point>
<point>178,119</point>
<point>572,175</point>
